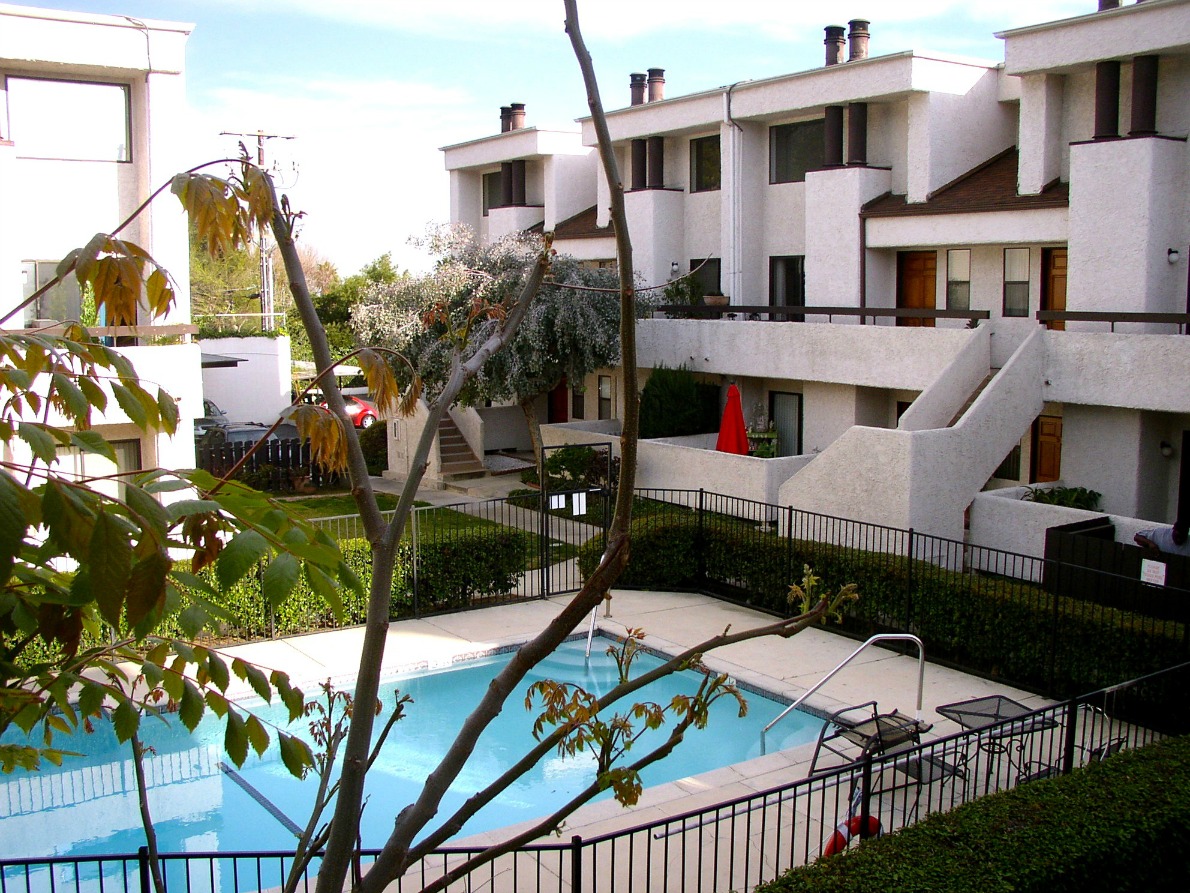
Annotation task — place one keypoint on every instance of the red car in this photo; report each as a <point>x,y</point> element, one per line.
<point>361,412</point>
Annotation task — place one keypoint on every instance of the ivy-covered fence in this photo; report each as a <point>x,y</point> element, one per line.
<point>979,610</point>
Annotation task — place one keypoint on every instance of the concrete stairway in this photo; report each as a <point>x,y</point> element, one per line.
<point>456,458</point>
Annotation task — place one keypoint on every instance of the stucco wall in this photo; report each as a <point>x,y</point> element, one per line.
<point>1135,371</point>
<point>832,227</point>
<point>256,390</point>
<point>937,405</point>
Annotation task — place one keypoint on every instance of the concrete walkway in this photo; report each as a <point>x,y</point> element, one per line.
<point>673,621</point>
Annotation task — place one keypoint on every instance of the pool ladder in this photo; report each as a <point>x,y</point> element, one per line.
<point>882,637</point>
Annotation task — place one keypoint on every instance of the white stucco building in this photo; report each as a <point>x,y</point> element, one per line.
<point>91,108</point>
<point>988,261</point>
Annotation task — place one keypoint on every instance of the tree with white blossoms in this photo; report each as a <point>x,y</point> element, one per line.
<point>571,330</point>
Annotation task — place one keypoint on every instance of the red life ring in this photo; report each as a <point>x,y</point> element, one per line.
<point>848,829</point>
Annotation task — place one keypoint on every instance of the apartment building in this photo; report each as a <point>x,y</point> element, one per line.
<point>91,115</point>
<point>982,266</point>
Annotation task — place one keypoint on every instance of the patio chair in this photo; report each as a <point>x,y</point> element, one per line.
<point>1037,770</point>
<point>856,732</point>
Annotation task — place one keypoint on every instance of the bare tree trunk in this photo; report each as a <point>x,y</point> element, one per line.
<point>146,818</point>
<point>530,412</point>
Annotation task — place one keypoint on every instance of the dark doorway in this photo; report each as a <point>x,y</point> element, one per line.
<point>917,273</point>
<point>559,404</point>
<point>785,410</point>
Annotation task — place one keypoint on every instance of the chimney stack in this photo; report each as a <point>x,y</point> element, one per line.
<point>505,119</point>
<point>636,87</point>
<point>1108,4</point>
<point>516,118</point>
<point>834,44</point>
<point>859,39</point>
<point>656,84</point>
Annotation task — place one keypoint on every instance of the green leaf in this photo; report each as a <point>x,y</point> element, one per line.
<point>146,588</point>
<point>258,736</point>
<point>125,720</point>
<point>167,408</point>
<point>184,507</point>
<point>291,696</point>
<point>77,407</point>
<point>217,703</point>
<point>280,577</point>
<point>218,671</point>
<point>235,738</point>
<point>133,408</point>
<point>174,680</point>
<point>93,442</point>
<point>95,394</point>
<point>295,754</point>
<point>91,696</point>
<point>110,566</point>
<point>325,587</point>
<point>12,524</point>
<point>43,445</point>
<point>191,707</point>
<point>245,551</point>
<point>148,508</point>
<point>255,677</point>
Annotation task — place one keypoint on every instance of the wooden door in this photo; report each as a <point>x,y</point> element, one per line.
<point>1053,284</point>
<point>558,410</point>
<point>917,283</point>
<point>1047,449</point>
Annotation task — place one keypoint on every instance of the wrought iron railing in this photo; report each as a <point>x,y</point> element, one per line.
<point>731,845</point>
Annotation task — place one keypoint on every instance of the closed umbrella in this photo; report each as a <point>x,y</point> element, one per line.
<point>733,436</point>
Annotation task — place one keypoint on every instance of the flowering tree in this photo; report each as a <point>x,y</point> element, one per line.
<point>571,330</point>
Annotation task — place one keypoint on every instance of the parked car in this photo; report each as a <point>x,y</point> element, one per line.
<point>212,415</point>
<point>361,412</point>
<point>219,435</point>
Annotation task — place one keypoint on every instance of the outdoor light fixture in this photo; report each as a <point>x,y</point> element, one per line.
<point>1172,255</point>
<point>673,266</point>
<point>1166,449</point>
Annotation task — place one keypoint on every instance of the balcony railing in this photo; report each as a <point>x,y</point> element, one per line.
<point>1181,320</point>
<point>798,314</point>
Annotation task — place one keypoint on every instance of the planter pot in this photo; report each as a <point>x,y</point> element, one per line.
<point>716,300</point>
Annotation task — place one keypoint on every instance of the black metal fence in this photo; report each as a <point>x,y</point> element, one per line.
<point>731,845</point>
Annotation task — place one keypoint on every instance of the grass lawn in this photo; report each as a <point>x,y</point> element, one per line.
<point>334,504</point>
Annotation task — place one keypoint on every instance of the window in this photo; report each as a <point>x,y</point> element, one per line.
<point>795,149</point>
<point>787,283</point>
<point>73,462</point>
<point>68,120</point>
<point>958,279</point>
<point>1010,468</point>
<point>706,273</point>
<point>605,396</point>
<point>578,403</point>
<point>704,164</point>
<point>1016,281</point>
<point>491,191</point>
<point>61,303</point>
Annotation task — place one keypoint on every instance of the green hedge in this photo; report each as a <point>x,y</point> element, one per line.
<point>1119,825</point>
<point>468,569</point>
<point>1003,628</point>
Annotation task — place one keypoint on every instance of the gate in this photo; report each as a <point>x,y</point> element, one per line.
<point>575,505</point>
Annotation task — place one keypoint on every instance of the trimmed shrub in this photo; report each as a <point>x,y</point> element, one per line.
<point>1004,628</point>
<point>672,405</point>
<point>374,443</point>
<point>1119,825</point>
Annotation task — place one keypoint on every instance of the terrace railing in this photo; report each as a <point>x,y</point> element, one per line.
<point>732,845</point>
<point>779,313</point>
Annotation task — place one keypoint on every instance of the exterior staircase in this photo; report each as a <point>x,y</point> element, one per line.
<point>456,459</point>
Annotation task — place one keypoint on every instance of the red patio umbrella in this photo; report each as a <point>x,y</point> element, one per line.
<point>733,436</point>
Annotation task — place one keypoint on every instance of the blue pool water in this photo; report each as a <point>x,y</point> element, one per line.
<point>202,803</point>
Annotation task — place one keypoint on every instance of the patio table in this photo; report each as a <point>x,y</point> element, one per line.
<point>1007,721</point>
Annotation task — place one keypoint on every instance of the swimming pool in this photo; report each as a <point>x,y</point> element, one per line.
<point>202,803</point>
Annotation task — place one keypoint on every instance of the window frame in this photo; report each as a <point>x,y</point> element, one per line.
<point>781,137</point>
<point>1013,286</point>
<point>606,403</point>
<point>703,269</point>
<point>700,176</point>
<point>954,282</point>
<point>126,91</point>
<point>489,189</point>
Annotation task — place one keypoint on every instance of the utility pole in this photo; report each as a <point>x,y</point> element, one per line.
<point>268,312</point>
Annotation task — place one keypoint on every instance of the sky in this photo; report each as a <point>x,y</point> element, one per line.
<point>370,90</point>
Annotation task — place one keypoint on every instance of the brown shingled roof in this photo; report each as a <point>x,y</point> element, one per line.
<point>581,226</point>
<point>989,187</point>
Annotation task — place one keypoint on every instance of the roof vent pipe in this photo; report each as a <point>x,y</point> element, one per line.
<point>834,44</point>
<point>517,116</point>
<point>505,119</point>
<point>636,87</point>
<point>1108,4</point>
<point>656,84</point>
<point>859,39</point>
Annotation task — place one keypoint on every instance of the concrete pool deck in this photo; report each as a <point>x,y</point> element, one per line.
<point>672,622</point>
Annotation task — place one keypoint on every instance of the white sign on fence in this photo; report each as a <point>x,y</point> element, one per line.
<point>1152,572</point>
